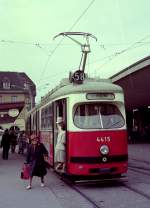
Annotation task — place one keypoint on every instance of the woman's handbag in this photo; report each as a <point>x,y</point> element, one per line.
<point>25,173</point>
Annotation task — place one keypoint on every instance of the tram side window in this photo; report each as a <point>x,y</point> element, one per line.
<point>46,118</point>
<point>98,116</point>
<point>50,116</point>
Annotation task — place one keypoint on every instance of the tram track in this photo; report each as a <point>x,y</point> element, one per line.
<point>123,184</point>
<point>72,185</point>
<point>141,170</point>
<point>140,166</point>
<point>137,191</point>
<point>95,205</point>
<point>140,161</point>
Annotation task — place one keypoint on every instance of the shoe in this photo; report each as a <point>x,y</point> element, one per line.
<point>28,187</point>
<point>42,184</point>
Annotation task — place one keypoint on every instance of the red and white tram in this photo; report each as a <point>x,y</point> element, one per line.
<point>94,115</point>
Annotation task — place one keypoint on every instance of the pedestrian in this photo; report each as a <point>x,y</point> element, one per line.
<point>135,134</point>
<point>13,138</point>
<point>36,159</point>
<point>60,150</point>
<point>1,133</point>
<point>22,142</point>
<point>5,144</point>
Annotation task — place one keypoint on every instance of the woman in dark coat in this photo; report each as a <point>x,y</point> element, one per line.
<point>35,158</point>
<point>5,144</point>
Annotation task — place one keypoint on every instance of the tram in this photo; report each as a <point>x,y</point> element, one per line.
<point>93,111</point>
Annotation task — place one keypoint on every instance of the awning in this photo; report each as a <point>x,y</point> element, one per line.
<point>6,107</point>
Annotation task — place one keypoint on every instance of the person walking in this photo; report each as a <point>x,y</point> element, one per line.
<point>135,134</point>
<point>13,138</point>
<point>22,142</point>
<point>5,144</point>
<point>60,150</point>
<point>36,159</point>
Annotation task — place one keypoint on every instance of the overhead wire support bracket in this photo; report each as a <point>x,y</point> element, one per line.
<point>75,33</point>
<point>79,74</point>
<point>84,47</point>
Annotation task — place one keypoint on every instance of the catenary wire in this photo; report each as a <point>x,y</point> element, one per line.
<point>59,43</point>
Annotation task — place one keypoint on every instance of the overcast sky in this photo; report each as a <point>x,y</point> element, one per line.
<point>28,27</point>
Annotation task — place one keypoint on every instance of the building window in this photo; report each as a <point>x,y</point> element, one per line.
<point>1,99</point>
<point>13,99</point>
<point>26,86</point>
<point>28,104</point>
<point>6,83</point>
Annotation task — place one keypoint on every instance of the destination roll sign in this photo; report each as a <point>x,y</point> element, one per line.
<point>78,77</point>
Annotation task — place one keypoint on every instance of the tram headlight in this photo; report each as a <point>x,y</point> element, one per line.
<point>104,150</point>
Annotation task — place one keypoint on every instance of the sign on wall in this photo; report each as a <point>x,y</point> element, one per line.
<point>13,112</point>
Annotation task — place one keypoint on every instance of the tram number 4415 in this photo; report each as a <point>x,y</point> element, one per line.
<point>78,76</point>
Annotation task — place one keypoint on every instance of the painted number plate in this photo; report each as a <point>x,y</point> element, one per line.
<point>104,170</point>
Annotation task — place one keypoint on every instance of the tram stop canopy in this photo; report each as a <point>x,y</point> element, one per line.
<point>135,81</point>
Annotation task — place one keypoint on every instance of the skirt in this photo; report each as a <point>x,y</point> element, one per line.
<point>60,155</point>
<point>38,169</point>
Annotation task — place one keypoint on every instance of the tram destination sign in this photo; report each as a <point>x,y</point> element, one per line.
<point>100,96</point>
<point>78,77</point>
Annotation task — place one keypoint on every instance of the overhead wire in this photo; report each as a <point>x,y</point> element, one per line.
<point>24,42</point>
<point>132,46</point>
<point>109,57</point>
<point>70,29</point>
<point>112,56</point>
<point>38,43</point>
<point>139,43</point>
<point>35,44</point>
<point>83,13</point>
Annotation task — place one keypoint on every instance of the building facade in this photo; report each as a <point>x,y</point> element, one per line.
<point>17,97</point>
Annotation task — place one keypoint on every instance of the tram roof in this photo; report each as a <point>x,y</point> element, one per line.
<point>135,81</point>
<point>89,85</point>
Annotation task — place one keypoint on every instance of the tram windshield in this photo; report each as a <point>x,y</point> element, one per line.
<point>98,116</point>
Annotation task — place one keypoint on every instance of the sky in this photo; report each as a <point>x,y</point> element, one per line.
<point>29,26</point>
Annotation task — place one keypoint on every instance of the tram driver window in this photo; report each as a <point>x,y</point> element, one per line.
<point>98,116</point>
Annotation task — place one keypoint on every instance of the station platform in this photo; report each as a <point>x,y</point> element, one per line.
<point>13,193</point>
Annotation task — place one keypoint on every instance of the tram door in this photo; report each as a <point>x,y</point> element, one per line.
<point>59,111</point>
